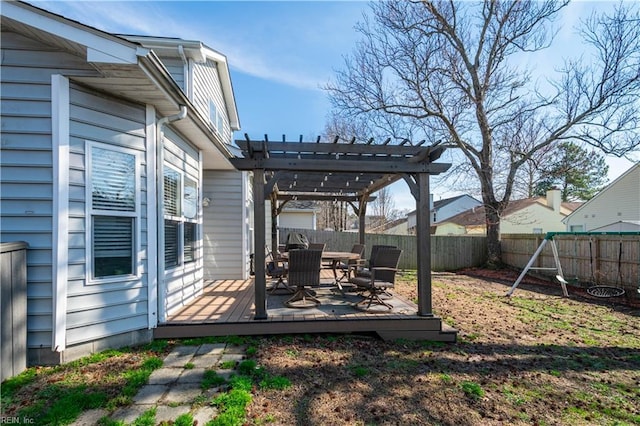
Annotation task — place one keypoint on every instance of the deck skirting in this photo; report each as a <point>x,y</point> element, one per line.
<point>227,308</point>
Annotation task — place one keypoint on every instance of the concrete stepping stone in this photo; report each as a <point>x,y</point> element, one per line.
<point>204,415</point>
<point>179,356</point>
<point>150,394</point>
<point>182,393</point>
<point>131,413</point>
<point>166,413</point>
<point>195,375</point>
<point>206,361</point>
<point>211,349</point>
<point>90,417</point>
<point>164,376</point>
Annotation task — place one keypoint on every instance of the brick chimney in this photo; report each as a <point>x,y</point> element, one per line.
<point>554,199</point>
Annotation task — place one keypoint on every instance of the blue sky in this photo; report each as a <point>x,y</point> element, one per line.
<point>280,54</point>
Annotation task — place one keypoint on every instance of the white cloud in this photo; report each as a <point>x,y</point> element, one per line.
<point>281,47</point>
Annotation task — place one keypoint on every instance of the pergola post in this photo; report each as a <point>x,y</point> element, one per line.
<point>274,224</point>
<point>259,227</point>
<point>423,236</point>
<point>362,212</point>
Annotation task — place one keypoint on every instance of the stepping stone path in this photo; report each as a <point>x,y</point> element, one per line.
<point>173,388</point>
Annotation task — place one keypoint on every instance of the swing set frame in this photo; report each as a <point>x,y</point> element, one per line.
<point>595,290</point>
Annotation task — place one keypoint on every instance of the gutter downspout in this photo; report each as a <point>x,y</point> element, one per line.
<point>160,199</point>
<point>185,71</point>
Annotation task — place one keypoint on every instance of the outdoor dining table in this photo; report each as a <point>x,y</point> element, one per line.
<point>335,257</point>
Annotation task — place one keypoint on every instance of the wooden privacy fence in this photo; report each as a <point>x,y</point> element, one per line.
<point>448,253</point>
<point>13,309</point>
<point>586,260</point>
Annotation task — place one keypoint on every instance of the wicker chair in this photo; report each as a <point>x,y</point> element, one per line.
<point>317,246</point>
<point>304,270</point>
<point>277,269</point>
<point>350,265</point>
<point>363,267</point>
<point>382,278</point>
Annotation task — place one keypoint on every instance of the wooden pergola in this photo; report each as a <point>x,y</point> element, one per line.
<point>342,171</point>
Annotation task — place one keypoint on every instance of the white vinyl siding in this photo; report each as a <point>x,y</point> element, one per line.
<point>617,202</point>
<point>176,68</point>
<point>26,166</point>
<point>184,268</point>
<point>208,91</point>
<point>225,225</point>
<point>99,308</point>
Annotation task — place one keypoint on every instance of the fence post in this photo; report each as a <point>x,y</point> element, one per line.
<point>13,298</point>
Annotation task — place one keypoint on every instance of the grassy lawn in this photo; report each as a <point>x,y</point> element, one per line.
<point>535,358</point>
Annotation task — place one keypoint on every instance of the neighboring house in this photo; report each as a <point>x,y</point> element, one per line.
<point>392,227</point>
<point>115,170</point>
<point>298,215</point>
<point>531,215</point>
<point>616,208</point>
<point>442,210</point>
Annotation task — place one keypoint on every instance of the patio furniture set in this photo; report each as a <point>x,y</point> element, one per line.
<point>297,271</point>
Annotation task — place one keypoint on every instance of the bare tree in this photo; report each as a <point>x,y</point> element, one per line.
<point>456,69</point>
<point>383,208</point>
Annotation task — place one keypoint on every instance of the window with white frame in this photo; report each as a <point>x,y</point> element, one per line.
<point>113,211</point>
<point>180,218</point>
<point>215,116</point>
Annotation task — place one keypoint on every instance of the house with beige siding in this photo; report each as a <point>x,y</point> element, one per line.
<point>614,209</point>
<point>115,171</point>
<point>536,215</point>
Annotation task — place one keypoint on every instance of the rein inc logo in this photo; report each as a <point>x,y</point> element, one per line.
<point>16,420</point>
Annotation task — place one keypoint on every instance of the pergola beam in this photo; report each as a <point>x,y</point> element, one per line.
<point>330,148</point>
<point>380,165</point>
<point>322,197</point>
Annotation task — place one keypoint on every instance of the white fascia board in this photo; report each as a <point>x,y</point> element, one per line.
<point>152,217</point>
<point>60,252</point>
<point>101,46</point>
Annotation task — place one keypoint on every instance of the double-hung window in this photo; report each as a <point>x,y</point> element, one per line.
<point>180,218</point>
<point>216,118</point>
<point>113,202</point>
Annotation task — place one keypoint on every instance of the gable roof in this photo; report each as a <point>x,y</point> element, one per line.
<point>603,191</point>
<point>476,215</point>
<point>199,52</point>
<point>295,205</point>
<point>446,201</point>
<point>122,68</point>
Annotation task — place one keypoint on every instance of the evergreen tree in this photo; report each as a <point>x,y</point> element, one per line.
<point>577,172</point>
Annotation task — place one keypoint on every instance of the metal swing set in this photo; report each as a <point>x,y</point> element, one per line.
<point>596,289</point>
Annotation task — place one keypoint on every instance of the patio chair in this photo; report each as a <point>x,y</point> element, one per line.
<point>382,278</point>
<point>304,271</point>
<point>276,268</point>
<point>317,246</point>
<point>363,267</point>
<point>350,265</point>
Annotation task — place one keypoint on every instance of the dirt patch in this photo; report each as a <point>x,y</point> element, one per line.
<point>534,358</point>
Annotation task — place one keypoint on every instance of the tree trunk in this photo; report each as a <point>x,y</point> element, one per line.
<point>493,210</point>
<point>494,250</point>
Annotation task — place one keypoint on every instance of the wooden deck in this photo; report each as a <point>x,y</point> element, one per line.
<point>226,307</point>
